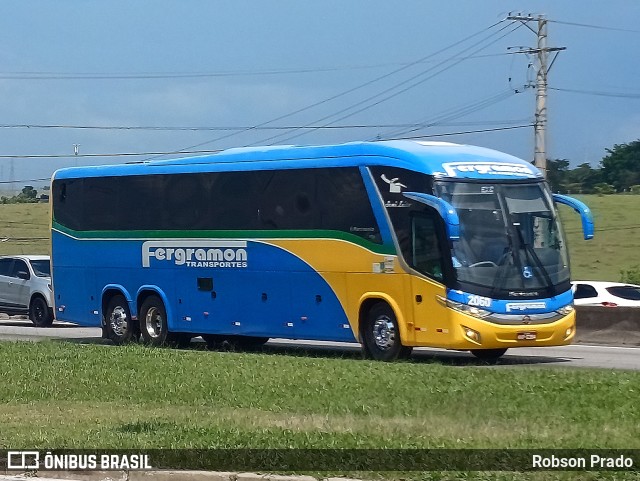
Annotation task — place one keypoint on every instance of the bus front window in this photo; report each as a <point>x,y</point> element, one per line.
<point>510,239</point>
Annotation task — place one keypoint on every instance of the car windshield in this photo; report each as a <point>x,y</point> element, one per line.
<point>41,268</point>
<point>510,237</point>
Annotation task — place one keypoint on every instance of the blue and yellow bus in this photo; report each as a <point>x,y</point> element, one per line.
<point>392,244</point>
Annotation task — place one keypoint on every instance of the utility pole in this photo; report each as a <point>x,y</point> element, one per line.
<point>543,67</point>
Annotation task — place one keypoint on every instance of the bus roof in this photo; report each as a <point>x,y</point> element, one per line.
<point>441,159</point>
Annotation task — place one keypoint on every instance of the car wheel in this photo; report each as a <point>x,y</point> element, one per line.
<point>120,328</point>
<point>40,313</point>
<point>381,335</point>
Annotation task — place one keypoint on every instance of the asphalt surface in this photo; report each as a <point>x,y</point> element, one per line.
<point>574,356</point>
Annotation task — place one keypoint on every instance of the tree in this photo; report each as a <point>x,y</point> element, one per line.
<point>27,195</point>
<point>621,168</point>
<point>586,177</point>
<point>28,192</point>
<point>557,174</point>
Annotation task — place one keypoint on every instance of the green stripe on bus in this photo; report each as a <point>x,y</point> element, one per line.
<point>228,234</point>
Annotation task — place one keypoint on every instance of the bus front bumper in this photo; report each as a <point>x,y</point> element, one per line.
<point>468,332</point>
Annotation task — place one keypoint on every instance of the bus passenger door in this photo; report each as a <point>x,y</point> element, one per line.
<point>427,256</point>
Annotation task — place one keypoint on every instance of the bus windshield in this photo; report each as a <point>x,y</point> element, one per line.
<point>510,239</point>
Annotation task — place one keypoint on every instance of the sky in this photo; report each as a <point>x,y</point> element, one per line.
<point>117,78</point>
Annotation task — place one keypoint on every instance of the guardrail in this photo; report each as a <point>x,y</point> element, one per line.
<point>608,325</point>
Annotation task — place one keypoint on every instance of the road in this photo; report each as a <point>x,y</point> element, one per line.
<point>574,356</point>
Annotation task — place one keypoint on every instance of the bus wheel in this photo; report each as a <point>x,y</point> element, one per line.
<point>40,313</point>
<point>153,322</point>
<point>119,325</point>
<point>488,355</point>
<point>381,335</point>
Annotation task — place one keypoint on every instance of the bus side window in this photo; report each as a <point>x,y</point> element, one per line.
<point>288,200</point>
<point>426,252</point>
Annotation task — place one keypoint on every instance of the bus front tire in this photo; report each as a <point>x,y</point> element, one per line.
<point>120,328</point>
<point>488,355</point>
<point>381,335</point>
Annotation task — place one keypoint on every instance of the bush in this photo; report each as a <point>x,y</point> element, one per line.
<point>603,188</point>
<point>631,275</point>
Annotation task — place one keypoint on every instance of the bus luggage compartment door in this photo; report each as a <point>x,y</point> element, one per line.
<point>237,303</point>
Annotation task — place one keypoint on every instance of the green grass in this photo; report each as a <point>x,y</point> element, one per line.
<point>81,396</point>
<point>65,395</point>
<point>25,228</point>
<point>616,243</point>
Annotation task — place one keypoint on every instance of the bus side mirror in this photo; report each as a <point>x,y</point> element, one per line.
<point>581,208</point>
<point>446,211</point>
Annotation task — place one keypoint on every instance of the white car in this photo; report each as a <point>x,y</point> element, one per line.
<point>25,287</point>
<point>608,294</point>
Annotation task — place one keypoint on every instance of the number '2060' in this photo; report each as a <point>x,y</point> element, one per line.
<point>479,301</point>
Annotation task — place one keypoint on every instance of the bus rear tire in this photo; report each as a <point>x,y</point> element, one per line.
<point>120,328</point>
<point>381,335</point>
<point>153,323</point>
<point>488,355</point>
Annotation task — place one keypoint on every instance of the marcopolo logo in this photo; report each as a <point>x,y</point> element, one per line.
<point>196,253</point>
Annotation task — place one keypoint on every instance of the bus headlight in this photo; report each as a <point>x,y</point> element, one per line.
<point>464,308</point>
<point>566,310</point>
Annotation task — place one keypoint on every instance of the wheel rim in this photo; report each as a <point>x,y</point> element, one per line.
<point>38,310</point>
<point>384,333</point>
<point>153,322</point>
<point>119,321</point>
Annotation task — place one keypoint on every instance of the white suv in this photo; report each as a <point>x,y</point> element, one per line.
<point>25,287</point>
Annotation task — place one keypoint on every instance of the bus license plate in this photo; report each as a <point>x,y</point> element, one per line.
<point>527,336</point>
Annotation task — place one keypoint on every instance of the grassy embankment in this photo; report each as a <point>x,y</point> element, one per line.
<point>93,396</point>
<point>616,245</point>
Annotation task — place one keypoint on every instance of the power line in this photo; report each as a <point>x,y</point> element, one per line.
<point>196,152</point>
<point>117,154</point>
<point>451,114</point>
<point>343,93</point>
<point>27,180</point>
<point>173,75</point>
<point>598,93</point>
<point>393,91</point>
<point>199,129</point>
<point>599,27</point>
<point>447,134</point>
